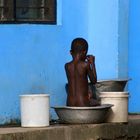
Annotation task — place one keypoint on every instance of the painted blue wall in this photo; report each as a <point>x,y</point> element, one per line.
<point>134,55</point>
<point>123,39</point>
<point>33,56</point>
<point>103,36</point>
<point>108,35</point>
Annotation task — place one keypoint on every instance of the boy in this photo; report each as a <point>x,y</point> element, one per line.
<point>78,70</point>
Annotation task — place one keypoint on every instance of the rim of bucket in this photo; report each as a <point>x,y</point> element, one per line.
<point>115,92</point>
<point>114,96</point>
<point>35,95</point>
<point>107,80</point>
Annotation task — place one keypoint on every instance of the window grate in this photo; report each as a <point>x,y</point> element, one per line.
<point>28,11</point>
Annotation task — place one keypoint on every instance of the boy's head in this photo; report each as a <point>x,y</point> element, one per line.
<point>79,46</point>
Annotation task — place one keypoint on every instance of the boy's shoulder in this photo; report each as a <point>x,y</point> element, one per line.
<point>81,64</point>
<point>84,63</point>
<point>68,64</point>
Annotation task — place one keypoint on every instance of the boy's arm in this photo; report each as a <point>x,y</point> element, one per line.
<point>91,69</point>
<point>66,67</point>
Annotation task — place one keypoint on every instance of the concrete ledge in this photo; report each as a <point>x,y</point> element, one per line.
<point>104,131</point>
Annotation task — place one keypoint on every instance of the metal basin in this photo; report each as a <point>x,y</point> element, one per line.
<point>80,115</point>
<point>111,85</point>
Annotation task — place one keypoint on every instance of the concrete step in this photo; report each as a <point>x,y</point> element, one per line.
<point>104,131</point>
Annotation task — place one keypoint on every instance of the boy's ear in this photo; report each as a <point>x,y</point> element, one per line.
<point>85,52</point>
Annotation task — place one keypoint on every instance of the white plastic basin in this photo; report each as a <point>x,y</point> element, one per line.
<point>119,112</point>
<point>34,110</point>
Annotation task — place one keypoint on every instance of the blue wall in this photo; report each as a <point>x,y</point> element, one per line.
<point>103,36</point>
<point>134,55</point>
<point>123,39</point>
<point>108,37</point>
<point>33,56</point>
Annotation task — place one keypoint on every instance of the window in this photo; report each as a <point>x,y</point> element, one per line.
<point>28,11</point>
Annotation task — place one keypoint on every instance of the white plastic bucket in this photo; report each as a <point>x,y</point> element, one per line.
<point>34,110</point>
<point>119,112</point>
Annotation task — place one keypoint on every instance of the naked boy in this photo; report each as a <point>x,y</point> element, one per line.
<point>78,71</point>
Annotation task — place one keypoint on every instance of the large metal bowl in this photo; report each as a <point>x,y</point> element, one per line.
<point>80,115</point>
<point>111,85</point>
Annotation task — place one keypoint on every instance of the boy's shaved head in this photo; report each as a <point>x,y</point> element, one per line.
<point>78,45</point>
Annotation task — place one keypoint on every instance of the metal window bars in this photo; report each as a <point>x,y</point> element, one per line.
<point>28,11</point>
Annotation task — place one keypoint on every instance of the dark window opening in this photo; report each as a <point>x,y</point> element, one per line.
<point>38,11</point>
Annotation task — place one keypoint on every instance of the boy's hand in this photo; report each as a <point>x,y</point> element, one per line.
<point>91,59</point>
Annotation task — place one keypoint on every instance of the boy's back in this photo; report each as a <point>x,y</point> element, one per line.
<point>77,83</point>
